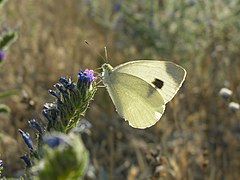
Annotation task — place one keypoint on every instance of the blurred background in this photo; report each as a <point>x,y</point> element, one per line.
<point>198,137</point>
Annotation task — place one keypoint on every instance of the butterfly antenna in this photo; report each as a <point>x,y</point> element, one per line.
<point>89,45</point>
<point>106,54</point>
<point>97,68</point>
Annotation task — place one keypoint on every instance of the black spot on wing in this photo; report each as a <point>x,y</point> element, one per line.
<point>158,83</point>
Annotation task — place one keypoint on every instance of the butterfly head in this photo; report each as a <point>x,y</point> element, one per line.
<point>107,70</point>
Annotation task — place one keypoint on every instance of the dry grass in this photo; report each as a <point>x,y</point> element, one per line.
<point>197,137</point>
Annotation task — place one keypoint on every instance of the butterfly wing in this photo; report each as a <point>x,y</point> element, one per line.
<point>135,100</point>
<point>166,77</point>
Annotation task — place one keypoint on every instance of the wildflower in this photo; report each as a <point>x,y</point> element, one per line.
<point>61,88</point>
<point>2,55</point>
<point>1,167</point>
<point>87,75</point>
<point>82,126</point>
<point>233,106</point>
<point>72,101</point>
<point>191,2</point>
<point>55,94</point>
<point>26,138</point>
<point>34,124</point>
<point>225,93</point>
<point>67,83</point>
<point>50,114</point>
<point>26,159</point>
<point>53,140</point>
<point>68,159</point>
<point>85,78</point>
<point>46,115</point>
<point>116,7</point>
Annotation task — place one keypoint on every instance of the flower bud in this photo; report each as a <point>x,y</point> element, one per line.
<point>225,93</point>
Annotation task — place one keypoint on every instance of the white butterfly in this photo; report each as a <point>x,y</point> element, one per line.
<point>140,89</point>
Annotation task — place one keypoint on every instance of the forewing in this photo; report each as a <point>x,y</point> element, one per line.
<point>135,100</point>
<point>166,77</point>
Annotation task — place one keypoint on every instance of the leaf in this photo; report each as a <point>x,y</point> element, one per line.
<point>7,39</point>
<point>4,109</point>
<point>2,2</point>
<point>8,93</point>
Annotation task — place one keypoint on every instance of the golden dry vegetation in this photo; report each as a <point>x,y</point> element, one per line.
<point>197,137</point>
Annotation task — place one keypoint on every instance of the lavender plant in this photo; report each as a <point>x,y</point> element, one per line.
<point>59,152</point>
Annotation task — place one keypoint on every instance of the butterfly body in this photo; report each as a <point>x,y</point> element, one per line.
<point>140,89</point>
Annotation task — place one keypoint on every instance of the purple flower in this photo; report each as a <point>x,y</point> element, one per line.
<point>27,139</point>
<point>83,127</point>
<point>66,82</point>
<point>87,75</point>
<point>1,167</point>
<point>34,124</point>
<point>60,87</point>
<point>2,54</point>
<point>50,114</point>
<point>54,141</point>
<point>26,159</point>
<point>116,6</point>
<point>191,2</point>
<point>55,94</point>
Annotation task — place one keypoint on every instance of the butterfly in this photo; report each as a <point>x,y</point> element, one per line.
<point>140,89</point>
